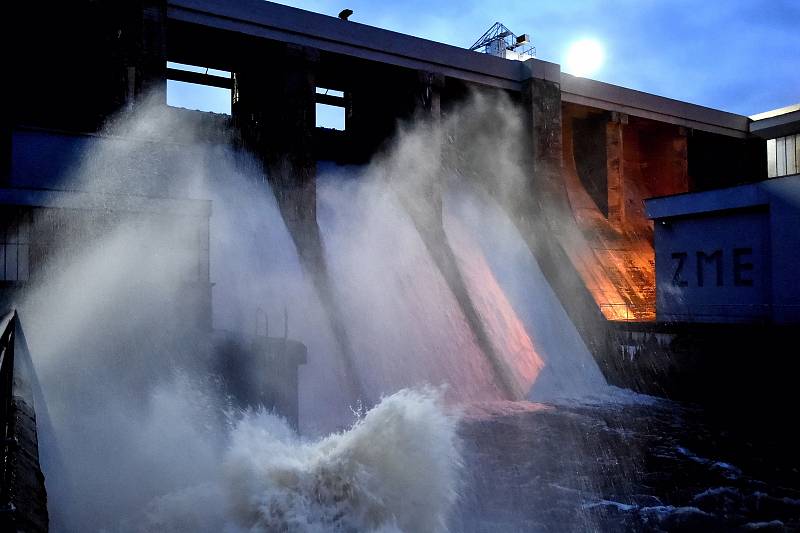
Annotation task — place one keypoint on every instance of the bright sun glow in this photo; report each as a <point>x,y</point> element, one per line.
<point>584,57</point>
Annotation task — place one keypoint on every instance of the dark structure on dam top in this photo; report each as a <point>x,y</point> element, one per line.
<point>596,153</point>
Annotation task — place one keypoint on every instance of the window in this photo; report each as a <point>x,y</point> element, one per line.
<point>330,109</point>
<point>199,88</point>
<point>330,117</point>
<point>783,156</point>
<point>14,245</point>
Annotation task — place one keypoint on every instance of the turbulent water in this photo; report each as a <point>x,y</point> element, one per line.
<point>150,443</point>
<point>397,469</point>
<point>629,463</point>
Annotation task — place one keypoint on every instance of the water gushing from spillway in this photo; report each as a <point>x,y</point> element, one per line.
<point>151,443</point>
<point>528,323</point>
<point>405,324</point>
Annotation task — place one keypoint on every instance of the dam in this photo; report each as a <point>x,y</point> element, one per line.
<point>542,254</point>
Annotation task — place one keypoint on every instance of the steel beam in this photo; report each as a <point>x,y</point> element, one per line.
<point>199,78</point>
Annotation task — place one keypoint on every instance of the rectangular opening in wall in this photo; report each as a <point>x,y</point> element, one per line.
<point>330,109</point>
<point>14,245</point>
<point>330,92</point>
<point>330,117</point>
<point>199,88</point>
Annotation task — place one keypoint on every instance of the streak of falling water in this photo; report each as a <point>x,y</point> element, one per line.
<point>405,324</point>
<point>403,321</point>
<point>255,266</point>
<point>527,323</point>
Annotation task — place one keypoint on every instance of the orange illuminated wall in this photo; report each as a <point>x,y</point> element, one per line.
<point>611,164</point>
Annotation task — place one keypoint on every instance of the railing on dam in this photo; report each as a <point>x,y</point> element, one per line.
<point>626,312</point>
<point>23,500</point>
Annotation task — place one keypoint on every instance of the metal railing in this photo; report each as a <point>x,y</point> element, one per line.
<point>7,327</point>
<point>23,499</point>
<point>627,312</point>
<point>754,312</point>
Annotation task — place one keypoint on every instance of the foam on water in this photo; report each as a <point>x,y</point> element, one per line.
<point>395,470</point>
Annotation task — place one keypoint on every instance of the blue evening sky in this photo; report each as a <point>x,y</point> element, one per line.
<point>741,56</point>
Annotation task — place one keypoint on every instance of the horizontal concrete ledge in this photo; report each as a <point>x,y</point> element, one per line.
<point>610,97</point>
<point>199,78</point>
<point>296,26</point>
<point>85,200</point>
<point>775,112</point>
<point>719,316</point>
<point>776,123</point>
<point>536,68</point>
<point>737,197</point>
<point>741,197</point>
<point>176,111</point>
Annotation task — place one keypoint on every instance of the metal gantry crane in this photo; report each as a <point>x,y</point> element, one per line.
<point>501,42</point>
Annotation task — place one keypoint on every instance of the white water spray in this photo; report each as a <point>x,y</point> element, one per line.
<point>140,421</point>
<point>395,470</point>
